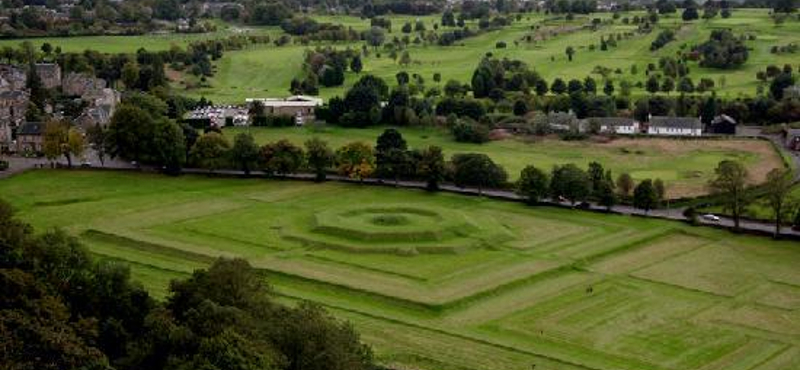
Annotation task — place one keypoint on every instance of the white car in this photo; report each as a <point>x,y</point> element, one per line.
<point>710,217</point>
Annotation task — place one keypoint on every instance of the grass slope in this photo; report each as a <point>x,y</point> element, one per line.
<point>561,289</point>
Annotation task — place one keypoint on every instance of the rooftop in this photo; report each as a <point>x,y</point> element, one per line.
<point>676,122</point>
<point>31,128</point>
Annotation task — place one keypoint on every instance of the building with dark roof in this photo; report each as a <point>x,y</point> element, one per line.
<point>13,105</point>
<point>29,137</point>
<point>50,74</point>
<point>615,125</point>
<point>675,126</point>
<point>723,124</point>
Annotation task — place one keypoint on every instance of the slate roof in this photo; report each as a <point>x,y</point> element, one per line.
<point>31,128</point>
<point>613,121</point>
<point>13,95</point>
<point>722,118</point>
<point>676,122</point>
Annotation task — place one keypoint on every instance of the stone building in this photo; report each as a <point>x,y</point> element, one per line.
<point>29,138</point>
<point>50,74</point>
<point>12,78</point>
<point>78,84</point>
<point>13,105</point>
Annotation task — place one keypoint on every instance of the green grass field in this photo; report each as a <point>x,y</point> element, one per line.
<point>685,166</point>
<point>130,44</point>
<point>268,70</point>
<point>441,281</point>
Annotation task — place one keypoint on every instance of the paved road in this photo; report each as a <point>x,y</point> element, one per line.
<point>752,131</point>
<point>22,164</point>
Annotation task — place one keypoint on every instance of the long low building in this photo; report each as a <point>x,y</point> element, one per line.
<point>302,107</point>
<point>675,126</point>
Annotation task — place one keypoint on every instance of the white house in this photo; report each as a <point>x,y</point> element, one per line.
<point>675,126</point>
<point>615,125</point>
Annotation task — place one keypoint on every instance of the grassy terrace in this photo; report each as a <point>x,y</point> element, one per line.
<point>440,281</point>
<point>685,165</point>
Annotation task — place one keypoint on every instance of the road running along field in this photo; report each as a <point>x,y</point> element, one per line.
<point>684,165</point>
<point>442,281</point>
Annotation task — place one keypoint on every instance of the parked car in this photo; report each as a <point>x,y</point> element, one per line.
<point>710,217</point>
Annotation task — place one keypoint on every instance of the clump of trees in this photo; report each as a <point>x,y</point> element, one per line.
<point>664,37</point>
<point>58,303</point>
<point>722,50</point>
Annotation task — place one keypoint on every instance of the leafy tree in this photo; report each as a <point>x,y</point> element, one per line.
<point>778,189</point>
<point>570,51</point>
<point>665,7</point>
<point>375,37</point>
<point>661,190</point>
<point>245,153</point>
<point>723,50</point>
<point>431,167</point>
<point>282,157</point>
<point>210,151</point>
<point>589,85</point>
<point>533,184</point>
<point>390,154</point>
<point>558,87</point>
<point>37,92</point>
<point>690,14</point>
<point>645,196</point>
<point>570,182</point>
<point>605,194</point>
<point>474,169</point>
<point>668,84</point>
<point>784,6</point>
<point>331,76</point>
<point>541,87</point>
<point>596,175</point>
<point>55,141</point>
<point>625,184</point>
<point>730,183</point>
<point>75,145</point>
<point>448,18</point>
<point>356,64</point>
<point>685,85</point>
<point>169,146</point>
<point>652,85</point>
<point>355,160</point>
<point>319,157</point>
<point>779,83</point>
<point>574,86</point>
<point>465,131</point>
<point>521,107</point>
<point>96,137</point>
<point>608,88</point>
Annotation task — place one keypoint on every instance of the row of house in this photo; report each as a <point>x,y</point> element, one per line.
<point>664,125</point>
<point>16,135</point>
